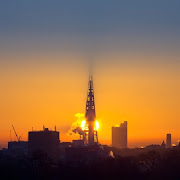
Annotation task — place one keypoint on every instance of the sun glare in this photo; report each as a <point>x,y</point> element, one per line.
<point>97,125</point>
<point>83,125</point>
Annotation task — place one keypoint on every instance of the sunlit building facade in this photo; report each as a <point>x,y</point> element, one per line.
<point>119,136</point>
<point>168,141</point>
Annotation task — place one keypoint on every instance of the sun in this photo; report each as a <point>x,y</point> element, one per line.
<point>84,125</point>
<point>96,125</point>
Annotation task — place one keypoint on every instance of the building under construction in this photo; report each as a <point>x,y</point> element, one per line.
<point>47,141</point>
<point>17,147</point>
<point>88,149</point>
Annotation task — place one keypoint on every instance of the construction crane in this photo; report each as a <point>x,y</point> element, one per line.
<point>18,138</point>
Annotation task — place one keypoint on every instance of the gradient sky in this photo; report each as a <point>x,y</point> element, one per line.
<point>132,48</point>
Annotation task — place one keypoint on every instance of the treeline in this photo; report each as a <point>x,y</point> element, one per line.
<point>150,165</point>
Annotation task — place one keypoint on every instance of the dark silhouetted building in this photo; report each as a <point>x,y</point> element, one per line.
<point>168,141</point>
<point>84,154</point>
<point>16,148</point>
<point>78,142</point>
<point>153,146</point>
<point>163,145</point>
<point>178,144</point>
<point>90,135</point>
<point>45,141</point>
<point>119,136</point>
<point>62,148</point>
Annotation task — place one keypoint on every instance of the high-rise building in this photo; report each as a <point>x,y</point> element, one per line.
<point>168,141</point>
<point>90,133</point>
<point>119,136</point>
<point>45,141</point>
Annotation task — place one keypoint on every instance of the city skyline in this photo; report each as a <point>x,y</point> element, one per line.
<point>82,116</point>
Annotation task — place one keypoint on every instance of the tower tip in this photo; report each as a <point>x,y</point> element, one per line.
<point>90,77</point>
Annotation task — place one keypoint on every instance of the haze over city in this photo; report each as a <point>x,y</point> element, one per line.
<point>48,50</point>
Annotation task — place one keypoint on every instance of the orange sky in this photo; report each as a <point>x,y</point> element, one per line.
<point>41,91</point>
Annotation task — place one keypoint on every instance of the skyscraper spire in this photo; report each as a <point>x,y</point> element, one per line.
<point>90,105</point>
<point>91,114</point>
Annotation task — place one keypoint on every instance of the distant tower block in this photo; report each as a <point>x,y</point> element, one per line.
<point>168,141</point>
<point>91,133</point>
<point>119,136</point>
